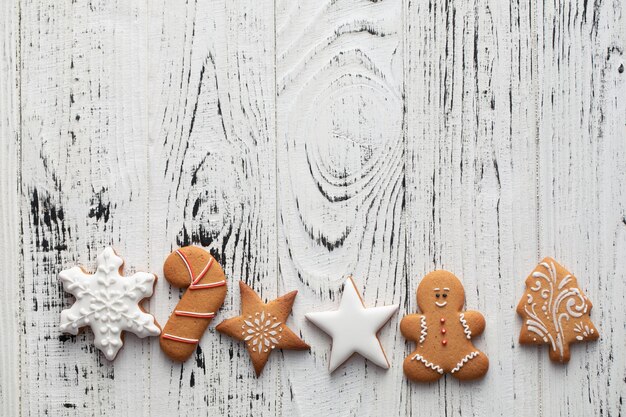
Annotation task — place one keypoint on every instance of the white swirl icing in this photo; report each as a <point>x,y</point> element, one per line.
<point>556,292</point>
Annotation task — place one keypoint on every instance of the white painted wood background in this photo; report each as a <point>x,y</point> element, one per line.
<point>303,141</point>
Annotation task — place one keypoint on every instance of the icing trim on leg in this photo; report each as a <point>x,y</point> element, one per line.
<point>430,365</point>
<point>463,361</point>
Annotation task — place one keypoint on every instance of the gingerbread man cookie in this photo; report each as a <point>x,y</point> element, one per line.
<point>443,332</point>
<point>555,310</point>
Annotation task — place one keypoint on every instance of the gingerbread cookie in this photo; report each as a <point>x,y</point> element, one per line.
<point>108,303</point>
<point>443,332</point>
<point>193,268</point>
<point>555,310</point>
<point>262,326</point>
<point>354,328</point>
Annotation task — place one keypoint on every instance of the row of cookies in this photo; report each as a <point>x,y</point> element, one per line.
<point>554,309</point>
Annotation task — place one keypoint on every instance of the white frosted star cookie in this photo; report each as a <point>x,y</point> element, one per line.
<point>354,328</point>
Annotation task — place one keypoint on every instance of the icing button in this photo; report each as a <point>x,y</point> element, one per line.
<point>443,330</point>
<point>442,320</point>
<point>444,342</point>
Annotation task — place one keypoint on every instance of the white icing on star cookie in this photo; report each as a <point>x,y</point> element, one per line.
<point>108,303</point>
<point>261,332</point>
<point>353,328</point>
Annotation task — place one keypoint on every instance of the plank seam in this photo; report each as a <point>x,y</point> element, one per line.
<point>149,193</point>
<point>536,91</point>
<point>279,402</point>
<point>405,136</point>
<point>20,266</point>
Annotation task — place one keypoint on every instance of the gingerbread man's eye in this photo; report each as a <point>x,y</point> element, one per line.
<point>437,295</point>
<point>445,295</point>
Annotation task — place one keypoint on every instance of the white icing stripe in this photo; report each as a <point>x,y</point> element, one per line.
<point>203,272</point>
<point>466,329</point>
<point>182,256</point>
<point>194,314</point>
<point>427,364</point>
<point>211,285</point>
<point>424,331</point>
<point>179,339</point>
<point>194,280</point>
<point>466,359</point>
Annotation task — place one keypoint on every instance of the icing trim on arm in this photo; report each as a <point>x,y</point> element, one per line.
<point>466,329</point>
<point>424,331</point>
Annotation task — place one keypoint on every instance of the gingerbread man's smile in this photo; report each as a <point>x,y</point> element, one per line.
<point>444,295</point>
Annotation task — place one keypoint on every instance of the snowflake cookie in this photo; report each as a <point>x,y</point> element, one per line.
<point>108,303</point>
<point>555,310</point>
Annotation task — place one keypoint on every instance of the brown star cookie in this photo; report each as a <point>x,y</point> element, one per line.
<point>555,310</point>
<point>262,326</point>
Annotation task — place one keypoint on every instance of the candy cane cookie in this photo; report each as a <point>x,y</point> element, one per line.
<point>193,268</point>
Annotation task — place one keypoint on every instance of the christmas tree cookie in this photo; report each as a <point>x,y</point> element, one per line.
<point>555,310</point>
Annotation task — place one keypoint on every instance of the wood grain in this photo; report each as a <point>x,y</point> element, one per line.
<point>300,142</point>
<point>340,174</point>
<point>582,161</point>
<point>84,159</point>
<point>10,245</point>
<point>471,205</point>
<point>212,164</point>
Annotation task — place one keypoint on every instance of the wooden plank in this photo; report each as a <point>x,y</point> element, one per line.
<point>340,190</point>
<point>212,164</point>
<point>156,125</point>
<point>9,211</point>
<point>84,186</point>
<point>471,205</point>
<point>582,159</point>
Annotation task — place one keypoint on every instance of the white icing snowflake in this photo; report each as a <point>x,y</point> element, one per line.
<point>262,332</point>
<point>108,303</point>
